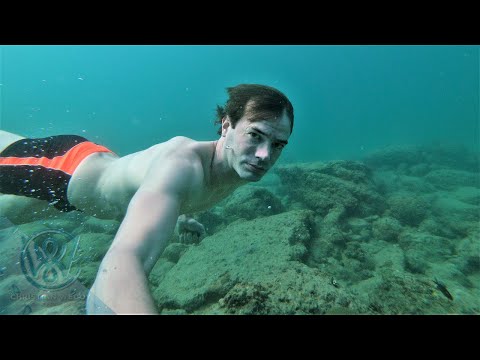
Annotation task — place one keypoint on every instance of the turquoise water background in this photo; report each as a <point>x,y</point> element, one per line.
<point>348,100</point>
<point>387,230</point>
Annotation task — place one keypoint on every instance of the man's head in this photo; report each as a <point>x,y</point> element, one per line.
<point>268,102</point>
<point>256,124</point>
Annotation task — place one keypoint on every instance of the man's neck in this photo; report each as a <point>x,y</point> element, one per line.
<point>222,176</point>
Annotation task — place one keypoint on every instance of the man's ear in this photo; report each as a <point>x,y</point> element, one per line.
<point>226,123</point>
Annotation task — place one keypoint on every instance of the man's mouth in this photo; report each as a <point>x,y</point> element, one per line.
<point>256,168</point>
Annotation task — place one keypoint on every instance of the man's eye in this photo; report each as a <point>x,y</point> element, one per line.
<point>254,135</point>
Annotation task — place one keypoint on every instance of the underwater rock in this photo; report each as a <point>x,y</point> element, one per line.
<point>468,194</point>
<point>454,156</point>
<point>355,250</point>
<point>355,264</point>
<point>251,202</point>
<point>251,267</point>
<point>87,272</point>
<point>330,227</point>
<point>427,247</point>
<point>298,290</point>
<point>468,259</point>
<point>212,221</point>
<point>447,179</point>
<point>419,170</point>
<point>395,292</point>
<point>395,157</point>
<point>358,224</point>
<point>415,159</point>
<point>415,262</point>
<point>409,210</point>
<point>92,247</point>
<point>66,224</point>
<point>246,299</point>
<point>389,256</point>
<point>23,210</point>
<point>95,225</point>
<point>435,226</point>
<point>458,217</point>
<point>241,251</point>
<point>76,307</point>
<point>447,205</point>
<point>386,228</point>
<point>161,268</point>
<point>173,312</point>
<point>323,187</point>
<point>388,182</point>
<point>174,251</point>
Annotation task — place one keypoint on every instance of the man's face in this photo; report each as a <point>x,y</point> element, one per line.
<point>255,146</point>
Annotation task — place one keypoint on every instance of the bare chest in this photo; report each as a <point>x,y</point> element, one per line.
<point>204,200</point>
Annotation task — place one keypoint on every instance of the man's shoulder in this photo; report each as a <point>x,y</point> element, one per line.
<point>181,150</point>
<point>179,161</point>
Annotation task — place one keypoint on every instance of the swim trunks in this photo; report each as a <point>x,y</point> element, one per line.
<point>42,167</point>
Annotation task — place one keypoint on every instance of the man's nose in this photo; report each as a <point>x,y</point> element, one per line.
<point>263,152</point>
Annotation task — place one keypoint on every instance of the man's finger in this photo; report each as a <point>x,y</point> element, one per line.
<point>194,225</point>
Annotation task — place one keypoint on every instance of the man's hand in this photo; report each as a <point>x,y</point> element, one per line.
<point>190,231</point>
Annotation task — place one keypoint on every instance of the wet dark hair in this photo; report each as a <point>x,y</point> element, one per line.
<point>267,102</point>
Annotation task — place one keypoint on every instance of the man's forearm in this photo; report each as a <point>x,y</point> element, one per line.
<point>121,286</point>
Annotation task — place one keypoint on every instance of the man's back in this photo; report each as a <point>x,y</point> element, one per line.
<point>104,183</point>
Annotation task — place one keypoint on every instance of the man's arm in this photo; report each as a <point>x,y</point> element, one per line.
<point>122,280</point>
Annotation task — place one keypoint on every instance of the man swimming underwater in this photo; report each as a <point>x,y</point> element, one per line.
<point>149,191</point>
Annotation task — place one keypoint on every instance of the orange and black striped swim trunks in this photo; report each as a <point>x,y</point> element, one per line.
<point>42,167</point>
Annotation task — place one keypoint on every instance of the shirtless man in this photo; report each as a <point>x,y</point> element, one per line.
<point>151,189</point>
